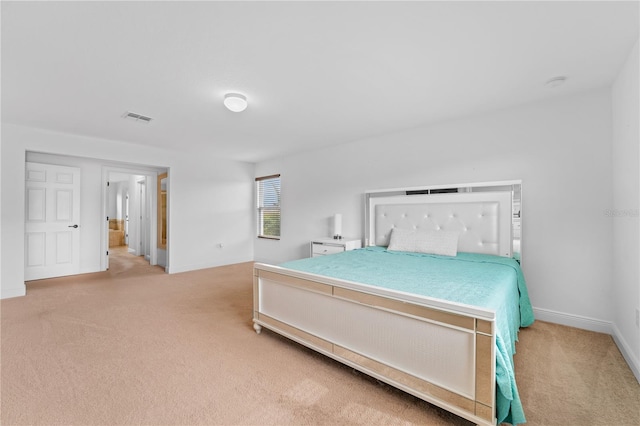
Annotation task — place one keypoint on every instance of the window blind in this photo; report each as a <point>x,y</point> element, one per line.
<point>268,202</point>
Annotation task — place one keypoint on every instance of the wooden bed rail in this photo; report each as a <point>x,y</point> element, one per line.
<point>438,351</point>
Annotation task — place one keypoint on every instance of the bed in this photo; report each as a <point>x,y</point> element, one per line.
<point>440,327</point>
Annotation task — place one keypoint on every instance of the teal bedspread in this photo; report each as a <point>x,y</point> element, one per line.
<point>487,281</point>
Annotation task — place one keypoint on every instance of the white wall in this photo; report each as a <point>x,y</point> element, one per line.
<point>626,194</point>
<point>112,202</point>
<point>560,148</point>
<point>211,201</point>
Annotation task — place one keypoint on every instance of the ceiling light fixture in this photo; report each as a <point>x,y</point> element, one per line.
<point>556,81</point>
<point>235,102</point>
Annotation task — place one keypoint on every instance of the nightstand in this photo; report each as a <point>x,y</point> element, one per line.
<point>323,246</point>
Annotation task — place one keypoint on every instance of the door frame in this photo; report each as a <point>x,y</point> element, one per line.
<point>144,223</point>
<point>151,202</point>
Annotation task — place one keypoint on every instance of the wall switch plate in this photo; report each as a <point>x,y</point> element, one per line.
<point>637,317</point>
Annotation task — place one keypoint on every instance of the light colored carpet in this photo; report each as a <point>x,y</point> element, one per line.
<point>136,346</point>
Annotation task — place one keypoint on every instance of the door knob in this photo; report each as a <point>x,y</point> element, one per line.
<point>72,226</point>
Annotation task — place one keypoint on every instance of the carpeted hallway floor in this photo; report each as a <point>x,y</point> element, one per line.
<point>134,346</point>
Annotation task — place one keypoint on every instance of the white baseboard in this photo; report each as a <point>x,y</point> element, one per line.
<point>627,353</point>
<point>596,325</point>
<point>8,293</point>
<point>173,269</point>
<point>571,320</point>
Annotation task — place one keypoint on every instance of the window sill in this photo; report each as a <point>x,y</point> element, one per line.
<point>268,238</point>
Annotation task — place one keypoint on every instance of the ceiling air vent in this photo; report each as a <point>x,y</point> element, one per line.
<point>136,117</point>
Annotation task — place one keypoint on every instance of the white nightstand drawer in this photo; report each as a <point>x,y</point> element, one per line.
<point>320,249</point>
<point>323,246</point>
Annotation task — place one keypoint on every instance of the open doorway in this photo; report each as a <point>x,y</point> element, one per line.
<point>162,213</point>
<point>132,216</point>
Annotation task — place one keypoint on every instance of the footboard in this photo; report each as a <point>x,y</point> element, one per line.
<point>439,351</point>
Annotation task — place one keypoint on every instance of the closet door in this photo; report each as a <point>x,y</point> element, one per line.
<point>52,216</point>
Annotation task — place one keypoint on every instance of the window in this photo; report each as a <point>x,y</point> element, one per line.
<point>268,190</point>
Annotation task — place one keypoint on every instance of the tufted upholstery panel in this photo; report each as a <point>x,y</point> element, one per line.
<point>482,218</point>
<point>477,223</point>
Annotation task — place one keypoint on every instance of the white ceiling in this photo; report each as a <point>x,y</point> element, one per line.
<point>315,73</point>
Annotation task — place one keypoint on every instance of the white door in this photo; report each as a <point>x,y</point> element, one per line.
<point>107,229</point>
<point>126,219</point>
<point>52,215</point>
<point>142,225</point>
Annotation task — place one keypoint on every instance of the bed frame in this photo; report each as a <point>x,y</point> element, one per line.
<point>439,351</point>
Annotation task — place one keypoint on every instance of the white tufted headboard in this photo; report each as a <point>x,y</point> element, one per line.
<point>483,219</point>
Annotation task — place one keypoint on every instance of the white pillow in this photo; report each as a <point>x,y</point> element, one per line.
<point>402,240</point>
<point>444,243</point>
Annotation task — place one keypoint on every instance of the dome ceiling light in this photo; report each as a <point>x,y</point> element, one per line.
<point>235,102</point>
